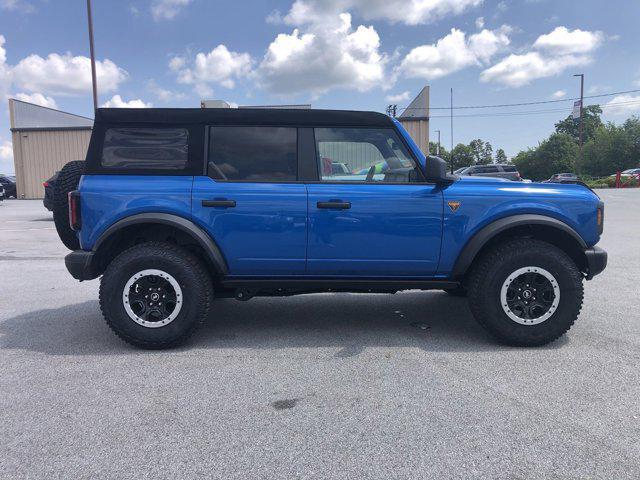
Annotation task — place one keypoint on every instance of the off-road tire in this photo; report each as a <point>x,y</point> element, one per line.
<point>492,269</point>
<point>190,273</point>
<point>67,181</point>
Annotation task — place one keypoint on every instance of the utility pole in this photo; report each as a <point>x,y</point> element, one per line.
<point>451,152</point>
<point>93,57</point>
<point>581,126</point>
<point>438,150</point>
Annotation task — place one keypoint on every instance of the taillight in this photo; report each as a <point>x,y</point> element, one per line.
<point>75,219</point>
<point>45,184</point>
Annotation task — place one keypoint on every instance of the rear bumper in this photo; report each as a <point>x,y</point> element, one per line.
<point>596,261</point>
<point>80,265</point>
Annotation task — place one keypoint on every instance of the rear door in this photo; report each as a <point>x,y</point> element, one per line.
<point>379,219</point>
<point>251,201</point>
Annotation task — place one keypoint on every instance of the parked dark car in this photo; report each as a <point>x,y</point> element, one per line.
<point>563,178</point>
<point>48,192</point>
<point>8,182</point>
<point>509,172</point>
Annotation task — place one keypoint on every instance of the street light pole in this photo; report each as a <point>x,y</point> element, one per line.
<point>581,126</point>
<point>93,57</point>
<point>451,152</point>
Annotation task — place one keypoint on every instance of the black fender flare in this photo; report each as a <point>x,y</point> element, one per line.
<point>194,231</point>
<point>485,234</point>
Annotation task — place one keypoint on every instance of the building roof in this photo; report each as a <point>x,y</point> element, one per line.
<point>418,109</point>
<point>244,116</point>
<point>29,116</point>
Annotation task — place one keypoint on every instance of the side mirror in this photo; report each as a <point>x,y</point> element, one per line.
<point>435,169</point>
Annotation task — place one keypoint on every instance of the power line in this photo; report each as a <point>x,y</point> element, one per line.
<point>531,112</point>
<point>522,104</point>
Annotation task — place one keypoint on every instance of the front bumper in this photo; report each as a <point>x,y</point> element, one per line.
<point>596,261</point>
<point>81,265</point>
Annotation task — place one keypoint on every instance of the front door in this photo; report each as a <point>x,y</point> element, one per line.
<point>371,214</point>
<point>250,203</point>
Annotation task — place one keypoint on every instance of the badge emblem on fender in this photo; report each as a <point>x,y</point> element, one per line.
<point>454,205</point>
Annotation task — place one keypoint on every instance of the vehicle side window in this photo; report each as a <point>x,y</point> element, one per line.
<point>258,154</point>
<point>509,168</point>
<point>363,155</point>
<point>145,148</point>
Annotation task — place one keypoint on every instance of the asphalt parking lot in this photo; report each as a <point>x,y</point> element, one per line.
<point>315,386</point>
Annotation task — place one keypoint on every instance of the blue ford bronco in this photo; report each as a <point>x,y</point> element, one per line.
<point>176,207</point>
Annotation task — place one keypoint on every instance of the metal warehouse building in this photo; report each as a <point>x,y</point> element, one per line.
<point>44,140</point>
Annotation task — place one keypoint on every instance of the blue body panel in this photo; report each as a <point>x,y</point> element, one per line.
<point>265,233</point>
<point>390,230</point>
<point>485,200</point>
<point>109,198</point>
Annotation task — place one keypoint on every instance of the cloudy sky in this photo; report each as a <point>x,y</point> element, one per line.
<point>348,54</point>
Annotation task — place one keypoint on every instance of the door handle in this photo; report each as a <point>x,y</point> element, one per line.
<point>224,203</point>
<point>335,204</point>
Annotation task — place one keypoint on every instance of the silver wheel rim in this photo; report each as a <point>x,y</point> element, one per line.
<point>166,317</point>
<point>506,300</point>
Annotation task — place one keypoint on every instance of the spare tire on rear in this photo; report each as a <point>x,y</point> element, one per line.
<point>67,181</point>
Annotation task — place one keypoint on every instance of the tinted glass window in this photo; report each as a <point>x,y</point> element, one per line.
<point>363,155</point>
<point>509,168</point>
<point>261,154</point>
<point>145,148</point>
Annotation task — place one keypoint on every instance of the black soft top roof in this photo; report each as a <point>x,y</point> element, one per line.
<point>242,116</point>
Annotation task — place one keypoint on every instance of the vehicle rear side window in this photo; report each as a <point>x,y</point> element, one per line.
<point>509,168</point>
<point>145,148</point>
<point>258,154</point>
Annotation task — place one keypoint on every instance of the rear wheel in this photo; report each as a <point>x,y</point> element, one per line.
<point>155,295</point>
<point>67,181</point>
<point>526,292</point>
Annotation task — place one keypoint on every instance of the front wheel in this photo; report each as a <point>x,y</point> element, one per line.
<point>155,295</point>
<point>526,292</point>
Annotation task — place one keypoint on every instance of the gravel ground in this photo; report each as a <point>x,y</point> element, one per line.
<point>315,386</point>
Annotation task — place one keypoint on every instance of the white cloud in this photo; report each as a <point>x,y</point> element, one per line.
<point>37,98</point>
<point>480,22</point>
<point>409,12</point>
<point>453,52</point>
<point>562,41</point>
<point>65,75</point>
<point>551,55</point>
<point>5,71</point>
<point>622,105</point>
<point>220,66</point>
<point>323,58</point>
<point>17,6</point>
<point>117,102</point>
<point>167,9</point>
<point>559,94</point>
<point>164,94</point>
<point>400,97</point>
<point>6,157</point>
<point>520,70</point>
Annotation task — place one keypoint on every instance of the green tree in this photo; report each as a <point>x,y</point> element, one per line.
<point>482,151</point>
<point>501,157</point>
<point>556,154</point>
<point>433,149</point>
<point>592,122</point>
<point>462,156</point>
<point>613,148</point>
